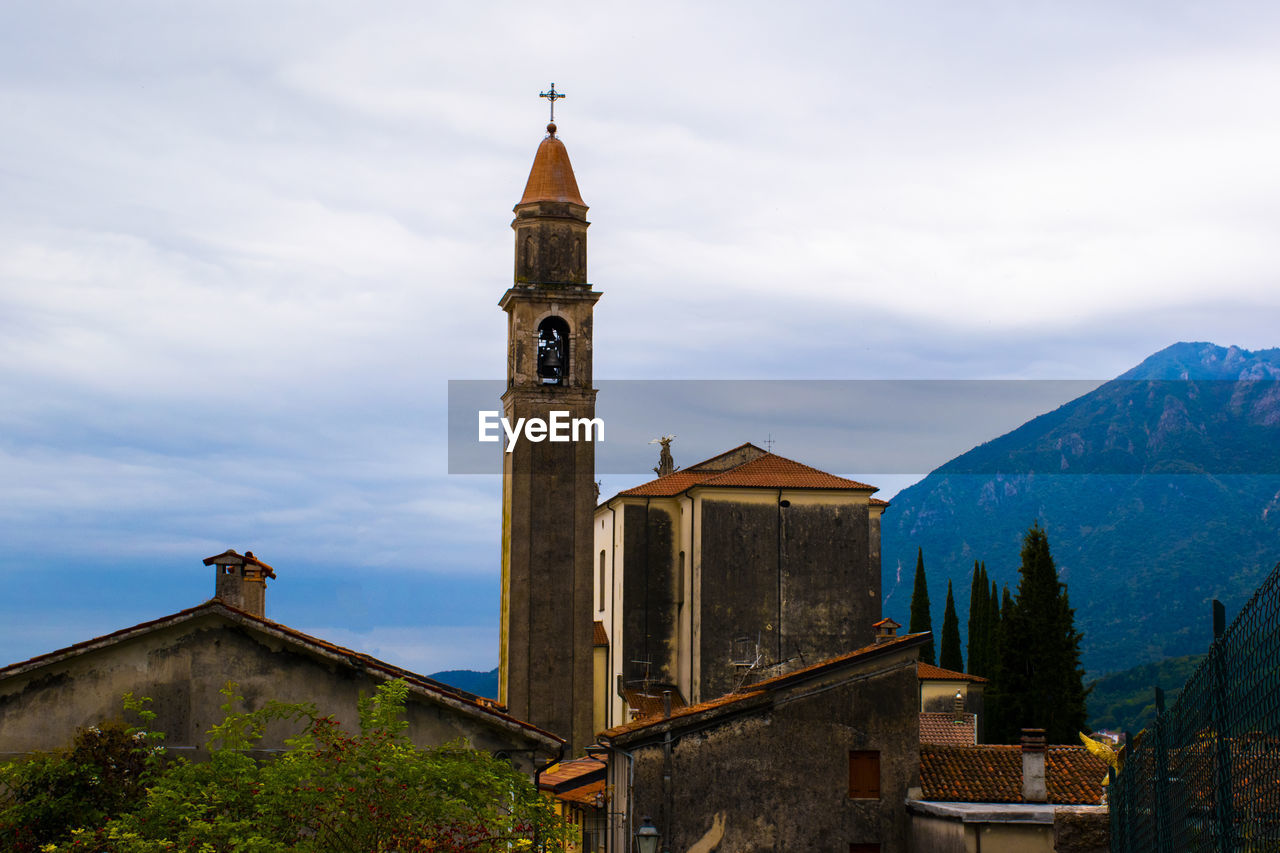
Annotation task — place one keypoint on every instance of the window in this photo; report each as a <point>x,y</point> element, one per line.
<point>601,607</point>
<point>680,581</point>
<point>864,774</point>
<point>865,847</point>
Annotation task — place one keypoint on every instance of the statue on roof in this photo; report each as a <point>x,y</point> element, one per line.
<point>666,464</point>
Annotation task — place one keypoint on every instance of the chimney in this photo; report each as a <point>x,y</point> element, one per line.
<point>957,705</point>
<point>1034,789</point>
<point>886,630</point>
<point>240,581</point>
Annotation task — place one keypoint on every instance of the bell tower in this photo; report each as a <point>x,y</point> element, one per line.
<point>548,488</point>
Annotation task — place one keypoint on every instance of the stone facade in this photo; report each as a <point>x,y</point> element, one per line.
<point>784,764</point>
<point>545,671</point>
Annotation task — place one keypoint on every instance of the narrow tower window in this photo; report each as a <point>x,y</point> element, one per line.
<point>553,351</point>
<point>601,607</point>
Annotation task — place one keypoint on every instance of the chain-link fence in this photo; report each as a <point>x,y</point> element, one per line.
<point>1206,775</point>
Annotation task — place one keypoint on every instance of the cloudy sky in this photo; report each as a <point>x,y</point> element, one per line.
<point>245,246</point>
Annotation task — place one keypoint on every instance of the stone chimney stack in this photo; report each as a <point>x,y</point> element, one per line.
<point>1034,788</point>
<point>241,581</point>
<point>957,706</point>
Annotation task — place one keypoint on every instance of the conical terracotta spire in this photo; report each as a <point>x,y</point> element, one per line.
<point>551,221</point>
<point>551,178</point>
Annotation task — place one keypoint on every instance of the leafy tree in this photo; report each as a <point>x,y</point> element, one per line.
<point>331,791</point>
<point>949,650</point>
<point>1041,683</point>
<point>920,620</point>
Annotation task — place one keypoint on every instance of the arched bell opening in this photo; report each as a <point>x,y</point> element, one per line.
<point>553,351</point>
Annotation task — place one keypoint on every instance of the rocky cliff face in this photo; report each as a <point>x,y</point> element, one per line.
<point>1160,491</point>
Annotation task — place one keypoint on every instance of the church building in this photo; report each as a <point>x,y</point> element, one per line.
<point>742,567</point>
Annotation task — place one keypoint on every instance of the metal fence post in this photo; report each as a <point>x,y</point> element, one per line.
<point>1114,801</point>
<point>1163,825</point>
<point>1224,806</point>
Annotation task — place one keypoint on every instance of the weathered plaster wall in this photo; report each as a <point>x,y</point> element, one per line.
<point>182,669</point>
<point>798,578</point>
<point>651,590</point>
<point>777,776</point>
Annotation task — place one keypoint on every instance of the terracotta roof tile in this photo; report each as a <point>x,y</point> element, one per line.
<point>929,672</point>
<point>773,471</point>
<point>568,771</point>
<point>670,485</point>
<point>587,794</point>
<point>646,705</point>
<point>643,722</point>
<point>598,635</point>
<point>993,774</point>
<point>762,470</point>
<point>942,728</point>
<point>762,688</point>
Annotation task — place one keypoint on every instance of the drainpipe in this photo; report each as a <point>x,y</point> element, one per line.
<point>537,783</point>
<point>778,628</point>
<point>668,794</point>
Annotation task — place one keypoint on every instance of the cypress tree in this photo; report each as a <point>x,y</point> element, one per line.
<point>977,652</point>
<point>1041,683</point>
<point>998,714</point>
<point>920,619</point>
<point>992,628</point>
<point>949,651</point>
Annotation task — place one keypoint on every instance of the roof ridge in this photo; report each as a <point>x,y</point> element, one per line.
<point>732,450</point>
<point>483,703</point>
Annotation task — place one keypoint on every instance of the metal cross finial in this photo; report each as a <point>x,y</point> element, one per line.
<point>553,96</point>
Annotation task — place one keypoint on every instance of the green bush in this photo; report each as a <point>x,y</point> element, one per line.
<point>330,791</point>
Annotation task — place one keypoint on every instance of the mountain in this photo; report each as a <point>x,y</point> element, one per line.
<point>1127,700</point>
<point>1160,491</point>
<point>479,683</point>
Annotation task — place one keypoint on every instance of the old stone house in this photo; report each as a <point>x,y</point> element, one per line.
<point>997,798</point>
<point>182,660</point>
<point>951,705</point>
<point>820,758</point>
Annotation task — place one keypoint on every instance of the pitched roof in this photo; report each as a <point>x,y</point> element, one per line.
<point>551,178</point>
<point>598,635</point>
<point>645,704</point>
<point>755,693</point>
<point>993,774</point>
<point>747,466</point>
<point>929,672</point>
<point>566,774</point>
<point>439,691</point>
<point>943,728</point>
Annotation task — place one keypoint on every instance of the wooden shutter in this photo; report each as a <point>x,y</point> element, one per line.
<point>864,774</point>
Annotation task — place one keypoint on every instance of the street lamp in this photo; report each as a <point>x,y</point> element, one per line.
<point>647,837</point>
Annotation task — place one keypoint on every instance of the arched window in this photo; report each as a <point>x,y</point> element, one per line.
<point>553,351</point>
